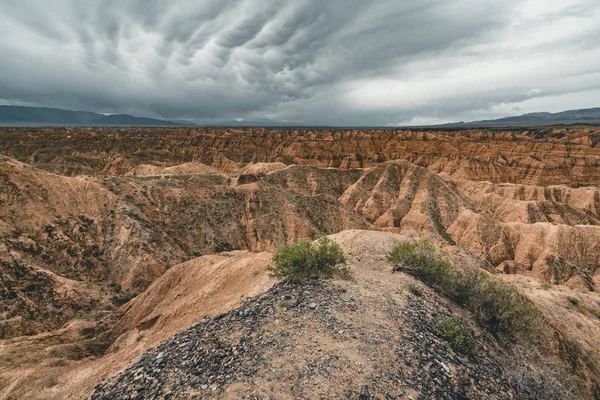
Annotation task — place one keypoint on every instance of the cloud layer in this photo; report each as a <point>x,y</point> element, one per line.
<point>334,62</point>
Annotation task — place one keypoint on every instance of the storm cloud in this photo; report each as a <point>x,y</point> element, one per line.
<point>334,62</point>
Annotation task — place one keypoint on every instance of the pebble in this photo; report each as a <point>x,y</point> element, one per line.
<point>364,393</point>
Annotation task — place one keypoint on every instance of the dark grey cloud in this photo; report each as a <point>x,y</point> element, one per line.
<point>343,62</point>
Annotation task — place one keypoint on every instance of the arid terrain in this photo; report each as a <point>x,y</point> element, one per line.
<point>115,240</point>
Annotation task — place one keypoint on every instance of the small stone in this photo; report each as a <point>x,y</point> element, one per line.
<point>445,367</point>
<point>464,381</point>
<point>287,304</point>
<point>312,306</point>
<point>364,393</point>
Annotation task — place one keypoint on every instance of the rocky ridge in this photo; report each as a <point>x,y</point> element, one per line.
<point>253,352</point>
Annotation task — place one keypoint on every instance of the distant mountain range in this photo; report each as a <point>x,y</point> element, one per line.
<point>41,116</point>
<point>571,117</point>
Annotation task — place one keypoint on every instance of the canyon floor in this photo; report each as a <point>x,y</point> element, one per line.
<point>114,241</point>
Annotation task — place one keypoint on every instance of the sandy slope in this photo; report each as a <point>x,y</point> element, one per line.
<point>187,292</point>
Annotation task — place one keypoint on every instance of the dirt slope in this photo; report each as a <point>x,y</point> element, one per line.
<point>59,365</point>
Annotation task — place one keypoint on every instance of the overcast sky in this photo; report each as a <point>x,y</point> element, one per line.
<point>325,62</point>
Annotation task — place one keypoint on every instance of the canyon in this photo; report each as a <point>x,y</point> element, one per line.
<point>113,240</point>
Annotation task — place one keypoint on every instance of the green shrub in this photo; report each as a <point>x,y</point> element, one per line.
<point>422,259</point>
<point>122,298</point>
<point>546,286</point>
<point>407,249</point>
<point>417,290</point>
<point>115,286</point>
<point>456,331</point>
<point>302,260</point>
<point>222,247</point>
<point>573,300</point>
<point>502,309</point>
<point>589,362</point>
<point>496,305</point>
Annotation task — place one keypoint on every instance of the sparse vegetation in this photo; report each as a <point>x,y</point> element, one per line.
<point>302,260</point>
<point>115,286</point>
<point>131,213</point>
<point>222,247</point>
<point>422,259</point>
<point>88,333</point>
<point>456,331</point>
<point>530,385</point>
<point>577,354</point>
<point>122,298</point>
<point>589,362</point>
<point>497,305</point>
<point>417,290</point>
<point>573,300</point>
<point>546,286</point>
<point>50,382</point>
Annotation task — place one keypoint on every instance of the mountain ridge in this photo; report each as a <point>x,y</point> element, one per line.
<point>24,116</point>
<point>47,116</point>
<point>569,117</point>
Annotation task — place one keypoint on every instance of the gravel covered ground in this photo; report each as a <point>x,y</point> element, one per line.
<point>323,340</point>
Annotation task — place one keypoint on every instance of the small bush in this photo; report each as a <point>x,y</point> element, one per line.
<point>589,362</point>
<point>546,286</point>
<point>422,259</point>
<point>497,305</point>
<point>455,331</point>
<point>115,286</point>
<point>502,309</point>
<point>88,333</point>
<point>302,260</point>
<point>122,298</point>
<point>222,247</point>
<point>577,353</point>
<point>573,300</point>
<point>416,289</point>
